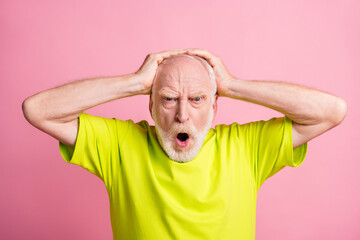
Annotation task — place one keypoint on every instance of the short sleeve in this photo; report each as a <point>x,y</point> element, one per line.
<point>270,147</point>
<point>97,144</point>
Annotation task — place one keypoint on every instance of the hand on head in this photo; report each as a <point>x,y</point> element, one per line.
<point>222,75</point>
<point>148,69</point>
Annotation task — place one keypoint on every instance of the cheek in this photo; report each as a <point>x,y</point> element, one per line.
<point>200,117</point>
<point>165,117</point>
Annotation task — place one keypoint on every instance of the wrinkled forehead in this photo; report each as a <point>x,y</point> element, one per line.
<point>182,70</point>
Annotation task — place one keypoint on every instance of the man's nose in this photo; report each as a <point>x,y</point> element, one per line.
<point>182,112</point>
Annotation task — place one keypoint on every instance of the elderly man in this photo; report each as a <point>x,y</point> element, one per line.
<point>181,179</point>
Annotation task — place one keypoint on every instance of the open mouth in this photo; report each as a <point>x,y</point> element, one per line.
<point>182,139</point>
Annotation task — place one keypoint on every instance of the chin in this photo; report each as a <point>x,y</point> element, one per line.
<point>170,146</point>
<point>181,155</point>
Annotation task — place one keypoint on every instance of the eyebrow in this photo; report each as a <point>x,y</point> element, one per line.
<point>199,93</point>
<point>164,92</point>
<point>170,93</point>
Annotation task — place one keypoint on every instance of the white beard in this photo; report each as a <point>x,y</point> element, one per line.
<point>166,138</point>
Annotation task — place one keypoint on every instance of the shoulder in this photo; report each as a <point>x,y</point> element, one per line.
<point>274,124</point>
<point>112,125</point>
<point>106,120</point>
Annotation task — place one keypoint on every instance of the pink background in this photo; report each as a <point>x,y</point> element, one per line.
<point>43,45</point>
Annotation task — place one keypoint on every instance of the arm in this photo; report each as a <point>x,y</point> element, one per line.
<point>313,112</point>
<point>55,111</point>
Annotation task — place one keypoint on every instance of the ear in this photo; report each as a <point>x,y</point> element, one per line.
<point>215,105</point>
<point>150,104</point>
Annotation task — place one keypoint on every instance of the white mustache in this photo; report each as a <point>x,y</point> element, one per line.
<point>182,128</point>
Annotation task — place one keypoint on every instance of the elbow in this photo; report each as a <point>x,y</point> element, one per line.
<point>29,110</point>
<point>26,109</point>
<point>339,112</point>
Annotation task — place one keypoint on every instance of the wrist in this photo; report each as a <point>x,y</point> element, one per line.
<point>143,81</point>
<point>129,85</point>
<point>236,88</point>
<point>226,87</point>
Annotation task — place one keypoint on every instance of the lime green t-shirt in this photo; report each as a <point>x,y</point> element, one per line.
<point>211,197</point>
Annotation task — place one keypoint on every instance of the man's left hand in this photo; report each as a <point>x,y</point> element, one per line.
<point>222,75</point>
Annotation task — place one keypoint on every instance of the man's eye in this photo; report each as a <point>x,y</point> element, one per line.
<point>197,99</point>
<point>168,99</point>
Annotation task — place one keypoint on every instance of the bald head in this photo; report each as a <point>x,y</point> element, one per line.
<point>184,67</point>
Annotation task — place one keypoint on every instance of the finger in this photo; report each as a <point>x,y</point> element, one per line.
<point>161,56</point>
<point>168,53</point>
<point>200,52</point>
<point>212,59</point>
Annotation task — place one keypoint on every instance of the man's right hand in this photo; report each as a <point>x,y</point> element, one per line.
<point>148,69</point>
